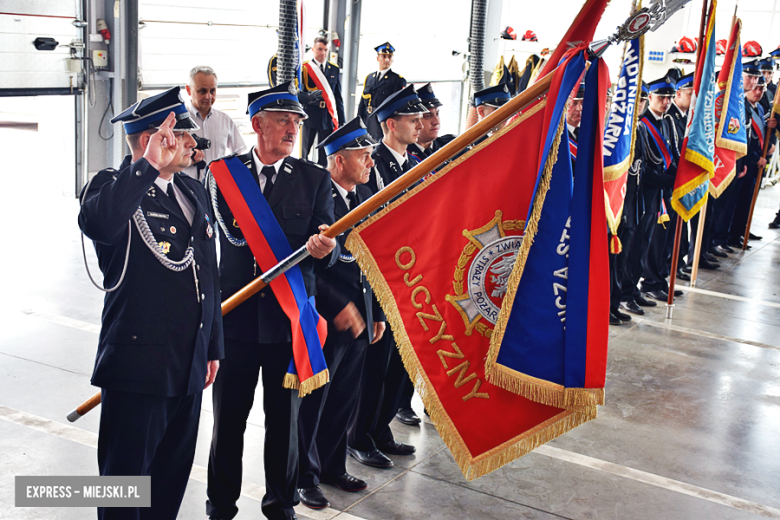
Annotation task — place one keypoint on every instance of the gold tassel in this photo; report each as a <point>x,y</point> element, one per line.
<point>314,382</point>
<point>291,381</point>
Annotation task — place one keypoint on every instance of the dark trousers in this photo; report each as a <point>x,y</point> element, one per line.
<point>724,212</point>
<point>234,392</point>
<point>307,140</point>
<point>742,206</point>
<point>616,265</point>
<point>631,259</point>
<point>380,393</point>
<point>148,435</point>
<point>326,412</point>
<point>407,392</point>
<point>654,243</point>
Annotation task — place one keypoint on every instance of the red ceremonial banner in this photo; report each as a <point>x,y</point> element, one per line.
<point>421,266</point>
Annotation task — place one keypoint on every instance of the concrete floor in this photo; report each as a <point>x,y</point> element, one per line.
<point>688,432</point>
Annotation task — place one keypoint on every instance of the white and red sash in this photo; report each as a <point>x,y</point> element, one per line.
<point>315,73</point>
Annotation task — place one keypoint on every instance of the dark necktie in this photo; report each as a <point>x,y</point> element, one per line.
<point>352,199</point>
<point>323,68</point>
<point>577,133</point>
<point>407,165</point>
<point>171,193</point>
<point>269,172</point>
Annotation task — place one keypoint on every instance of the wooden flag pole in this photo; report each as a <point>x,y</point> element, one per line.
<point>369,206</point>
<point>697,245</point>
<point>678,227</point>
<point>746,238</point>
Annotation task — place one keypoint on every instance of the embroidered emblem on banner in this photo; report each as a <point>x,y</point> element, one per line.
<point>482,273</point>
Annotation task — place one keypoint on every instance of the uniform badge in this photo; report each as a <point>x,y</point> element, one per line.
<point>209,230</point>
<point>151,192</point>
<point>482,273</point>
<point>165,246</point>
<point>235,223</point>
<point>173,229</point>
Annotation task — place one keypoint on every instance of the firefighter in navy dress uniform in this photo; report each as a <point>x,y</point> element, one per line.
<point>355,320</point>
<point>377,87</point>
<point>161,334</point>
<point>258,332</point>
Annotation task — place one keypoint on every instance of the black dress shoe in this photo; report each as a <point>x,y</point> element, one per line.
<point>659,295</point>
<point>345,482</point>
<point>373,458</point>
<point>717,252</point>
<point>632,307</point>
<point>644,302</point>
<point>726,249</point>
<point>682,275</point>
<point>621,315</point>
<point>407,416</point>
<point>775,224</point>
<point>614,320</point>
<point>677,292</point>
<point>706,264</point>
<point>397,448</point>
<point>686,269</point>
<point>721,249</point>
<point>755,237</point>
<point>709,257</point>
<point>737,244</point>
<point>313,498</point>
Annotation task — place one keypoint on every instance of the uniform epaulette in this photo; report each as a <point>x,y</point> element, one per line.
<point>312,163</point>
<point>334,64</point>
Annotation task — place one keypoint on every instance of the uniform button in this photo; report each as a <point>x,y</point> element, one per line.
<point>162,229</point>
<point>364,290</point>
<point>138,173</point>
<point>262,295</point>
<point>197,266</point>
<point>192,239</point>
<point>201,325</point>
<point>134,338</point>
<point>203,296</point>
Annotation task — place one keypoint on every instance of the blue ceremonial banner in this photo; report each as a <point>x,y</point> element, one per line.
<point>731,136</point>
<point>550,340</point>
<point>619,134</point>
<point>698,150</point>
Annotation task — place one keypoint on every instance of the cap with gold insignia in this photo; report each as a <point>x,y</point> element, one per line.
<point>580,93</point>
<point>281,98</point>
<point>351,136</point>
<point>151,112</point>
<point>492,96</point>
<point>685,81</point>
<point>775,54</point>
<point>428,98</point>
<point>385,48</point>
<point>665,86</point>
<point>402,103</point>
<point>761,82</point>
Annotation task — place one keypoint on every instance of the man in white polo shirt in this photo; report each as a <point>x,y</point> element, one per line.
<point>215,125</point>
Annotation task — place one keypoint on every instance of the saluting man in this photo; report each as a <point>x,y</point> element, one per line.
<point>377,87</point>
<point>161,335</point>
<point>355,320</point>
<point>320,121</point>
<point>258,332</point>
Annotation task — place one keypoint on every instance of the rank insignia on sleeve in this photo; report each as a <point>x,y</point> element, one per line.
<point>165,246</point>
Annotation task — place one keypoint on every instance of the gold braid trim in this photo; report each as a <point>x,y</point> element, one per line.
<point>545,392</point>
<point>471,467</point>
<point>292,382</point>
<point>716,191</point>
<point>517,271</point>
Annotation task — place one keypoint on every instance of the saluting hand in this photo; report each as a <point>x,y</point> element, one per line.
<point>350,318</point>
<point>162,144</point>
<point>320,246</point>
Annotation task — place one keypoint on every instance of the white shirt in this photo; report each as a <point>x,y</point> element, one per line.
<point>344,192</point>
<point>259,165</point>
<point>318,64</point>
<point>184,203</point>
<point>380,74</point>
<point>572,128</point>
<point>400,159</point>
<point>224,135</point>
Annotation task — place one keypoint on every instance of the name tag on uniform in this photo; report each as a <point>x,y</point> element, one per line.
<point>156,215</point>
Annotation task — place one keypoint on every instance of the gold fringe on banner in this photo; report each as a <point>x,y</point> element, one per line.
<point>544,392</point>
<point>472,466</point>
<point>292,382</point>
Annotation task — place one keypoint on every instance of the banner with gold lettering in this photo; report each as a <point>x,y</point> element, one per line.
<point>439,260</point>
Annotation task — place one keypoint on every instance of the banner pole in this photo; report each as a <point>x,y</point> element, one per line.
<point>697,246</point>
<point>375,202</point>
